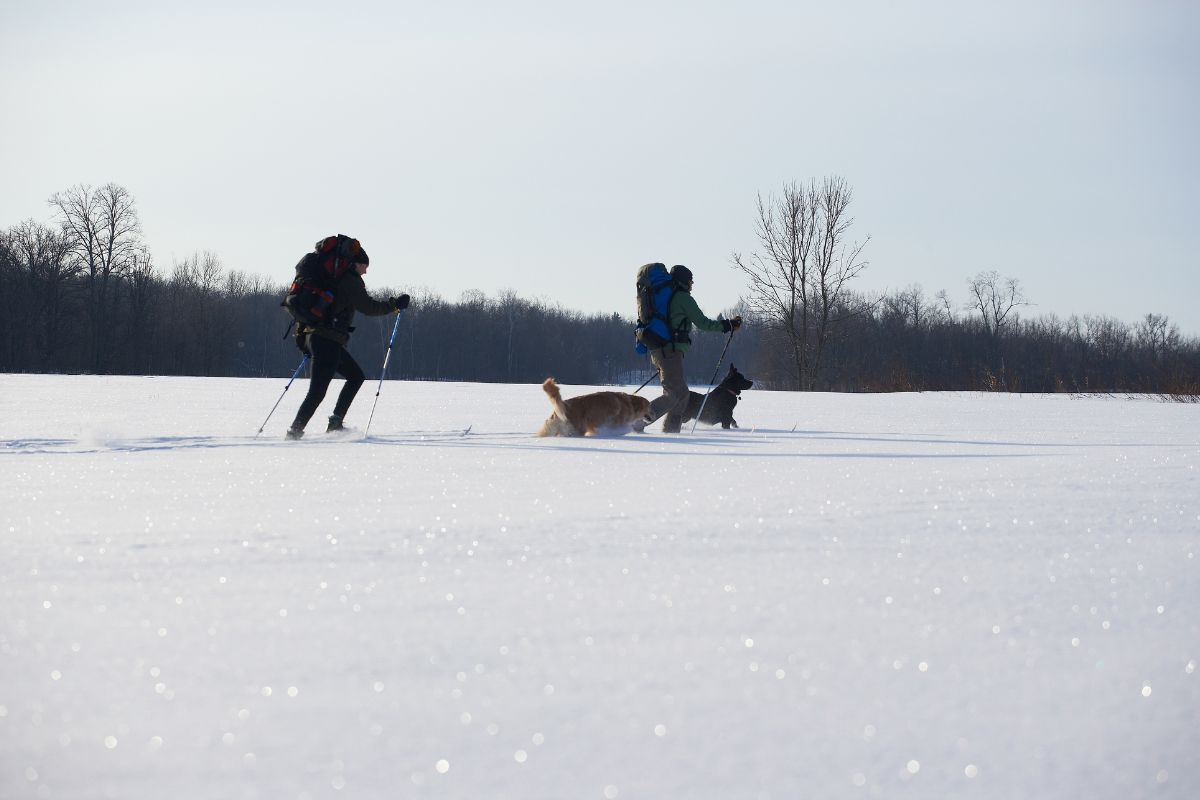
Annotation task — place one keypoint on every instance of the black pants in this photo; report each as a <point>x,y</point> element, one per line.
<point>329,357</point>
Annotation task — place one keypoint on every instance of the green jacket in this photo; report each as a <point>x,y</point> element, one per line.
<point>350,296</point>
<point>684,314</point>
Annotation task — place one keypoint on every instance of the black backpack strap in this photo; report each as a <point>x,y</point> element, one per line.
<point>679,334</point>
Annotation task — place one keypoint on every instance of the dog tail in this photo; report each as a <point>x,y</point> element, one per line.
<point>551,389</point>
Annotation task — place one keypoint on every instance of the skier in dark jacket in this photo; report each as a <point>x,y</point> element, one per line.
<point>668,359</point>
<point>327,346</point>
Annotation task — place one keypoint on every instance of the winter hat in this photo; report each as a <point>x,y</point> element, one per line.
<point>362,257</point>
<point>681,274</point>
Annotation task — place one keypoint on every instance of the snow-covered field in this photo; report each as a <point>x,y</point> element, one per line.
<point>900,596</point>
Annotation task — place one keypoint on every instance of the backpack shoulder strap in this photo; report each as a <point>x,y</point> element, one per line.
<point>680,332</point>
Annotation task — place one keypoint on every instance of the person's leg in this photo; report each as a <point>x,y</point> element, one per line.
<point>660,404</point>
<point>673,401</point>
<point>324,364</point>
<point>349,369</point>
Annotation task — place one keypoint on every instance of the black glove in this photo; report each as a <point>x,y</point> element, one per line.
<point>736,322</point>
<point>302,342</point>
<point>400,302</point>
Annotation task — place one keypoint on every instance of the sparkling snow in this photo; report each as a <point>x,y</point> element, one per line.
<point>907,595</point>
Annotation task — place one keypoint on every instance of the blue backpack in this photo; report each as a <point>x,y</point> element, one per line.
<point>655,288</point>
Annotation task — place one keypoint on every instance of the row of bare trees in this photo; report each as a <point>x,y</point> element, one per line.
<point>816,332</point>
<point>908,341</point>
<point>62,281</point>
<point>83,294</point>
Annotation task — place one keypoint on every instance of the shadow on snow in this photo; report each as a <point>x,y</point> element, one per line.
<point>742,443</point>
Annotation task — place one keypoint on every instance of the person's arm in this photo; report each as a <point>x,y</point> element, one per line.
<point>692,313</point>
<point>355,295</point>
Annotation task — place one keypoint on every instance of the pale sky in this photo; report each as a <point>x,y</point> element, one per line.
<point>553,147</point>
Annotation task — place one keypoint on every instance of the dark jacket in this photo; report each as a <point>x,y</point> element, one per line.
<point>349,296</point>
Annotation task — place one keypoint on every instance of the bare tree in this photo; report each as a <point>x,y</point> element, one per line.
<point>910,306</point>
<point>141,289</point>
<point>105,234</point>
<point>799,282</point>
<point>14,291</point>
<point>40,255</point>
<point>838,261</point>
<point>779,276</point>
<point>510,308</point>
<point>1111,340</point>
<point>1157,337</point>
<point>943,309</point>
<point>995,299</point>
<point>196,299</point>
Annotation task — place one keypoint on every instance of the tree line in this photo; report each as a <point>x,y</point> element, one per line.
<point>84,295</point>
<point>908,341</point>
<point>199,318</point>
<point>815,332</point>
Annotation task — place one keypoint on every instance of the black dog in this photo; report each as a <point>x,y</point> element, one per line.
<point>721,401</point>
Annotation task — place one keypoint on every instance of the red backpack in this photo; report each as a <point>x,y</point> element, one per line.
<point>310,296</point>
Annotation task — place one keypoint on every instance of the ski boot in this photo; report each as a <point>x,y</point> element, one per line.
<point>335,424</point>
<point>294,433</point>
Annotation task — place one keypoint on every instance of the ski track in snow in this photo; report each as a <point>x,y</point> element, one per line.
<point>908,595</point>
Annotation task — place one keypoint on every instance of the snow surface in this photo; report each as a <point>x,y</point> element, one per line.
<point>901,596</point>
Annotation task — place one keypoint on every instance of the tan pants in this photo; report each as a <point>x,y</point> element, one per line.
<point>674,399</point>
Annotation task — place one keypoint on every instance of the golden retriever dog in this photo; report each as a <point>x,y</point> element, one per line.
<point>589,414</point>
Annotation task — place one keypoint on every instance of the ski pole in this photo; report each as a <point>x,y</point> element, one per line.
<point>303,361</point>
<point>383,370</point>
<point>653,375</point>
<point>711,382</point>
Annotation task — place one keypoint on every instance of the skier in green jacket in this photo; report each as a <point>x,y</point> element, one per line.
<point>668,360</point>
